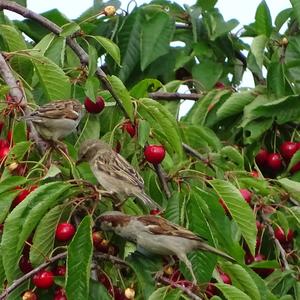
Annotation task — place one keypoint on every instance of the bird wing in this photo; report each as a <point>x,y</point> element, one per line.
<point>68,109</point>
<point>117,166</point>
<point>157,225</point>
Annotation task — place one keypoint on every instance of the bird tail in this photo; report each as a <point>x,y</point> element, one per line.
<point>206,247</point>
<point>148,201</point>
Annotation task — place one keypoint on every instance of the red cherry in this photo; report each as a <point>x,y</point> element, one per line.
<point>22,195</point>
<point>261,157</point>
<point>259,226</point>
<point>64,232</point>
<point>94,107</point>
<point>290,235</point>
<point>103,246</point>
<point>25,264</point>
<point>288,149</point>
<point>112,250</point>
<point>295,168</point>
<point>225,278</point>
<point>155,211</point>
<point>154,153</point>
<point>219,85</point>
<point>60,294</point>
<point>29,295</point>
<point>211,290</point>
<point>3,153</point>
<point>9,137</point>
<point>249,259</point>
<point>60,271</point>
<point>129,127</point>
<point>280,235</point>
<point>117,293</point>
<point>254,173</point>
<point>43,279</point>
<point>8,98</point>
<point>97,238</point>
<point>4,143</point>
<point>263,272</point>
<point>102,278</point>
<point>247,195</point>
<point>274,161</point>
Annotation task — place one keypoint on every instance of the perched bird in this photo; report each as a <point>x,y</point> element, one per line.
<point>57,119</point>
<point>157,235</point>
<point>113,172</point>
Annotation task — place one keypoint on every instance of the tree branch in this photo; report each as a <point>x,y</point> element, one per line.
<point>28,275</point>
<point>277,243</point>
<point>186,290</point>
<point>79,51</point>
<point>189,150</point>
<point>163,180</point>
<point>174,96</point>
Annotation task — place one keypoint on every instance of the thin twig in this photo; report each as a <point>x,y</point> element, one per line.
<point>186,290</point>
<point>79,51</point>
<point>113,259</point>
<point>163,179</point>
<point>277,243</point>
<point>28,275</point>
<point>188,149</point>
<point>174,96</point>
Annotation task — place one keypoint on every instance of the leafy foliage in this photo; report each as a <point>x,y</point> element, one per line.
<point>211,149</point>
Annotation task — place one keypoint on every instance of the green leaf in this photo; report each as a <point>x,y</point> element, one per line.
<point>292,187</point>
<point>241,279</point>
<point>229,152</point>
<point>143,132</point>
<point>90,129</point>
<point>235,104</point>
<point>206,4</point>
<point>6,200</point>
<point>230,292</point>
<point>43,239</point>
<point>129,43</point>
<point>98,291</point>
<point>283,17</point>
<point>207,73</point>
<point>157,33</point>
<point>69,29</point>
<point>239,210</point>
<point>276,79</point>
<point>79,260</point>
<point>143,87</point>
<point>43,45</point>
<point>296,9</point>
<point>56,85</point>
<point>23,219</point>
<point>2,274</point>
<point>18,151</point>
<point>283,110</point>
<point>144,267</point>
<point>91,87</point>
<point>258,50</point>
<point>164,293</point>
<point>110,47</point>
<point>263,20</point>
<point>12,38</point>
<point>123,94</point>
<point>93,58</point>
<point>203,262</point>
<point>11,182</point>
<point>164,121</point>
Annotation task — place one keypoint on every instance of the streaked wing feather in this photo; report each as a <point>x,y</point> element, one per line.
<point>117,166</point>
<point>157,225</point>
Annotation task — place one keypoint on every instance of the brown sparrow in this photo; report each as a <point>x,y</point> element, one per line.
<point>157,235</point>
<point>57,119</point>
<point>113,172</point>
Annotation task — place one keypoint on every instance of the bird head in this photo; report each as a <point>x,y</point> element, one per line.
<point>90,148</point>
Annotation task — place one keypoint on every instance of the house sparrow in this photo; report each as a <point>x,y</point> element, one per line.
<point>157,235</point>
<point>113,172</point>
<point>55,120</point>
